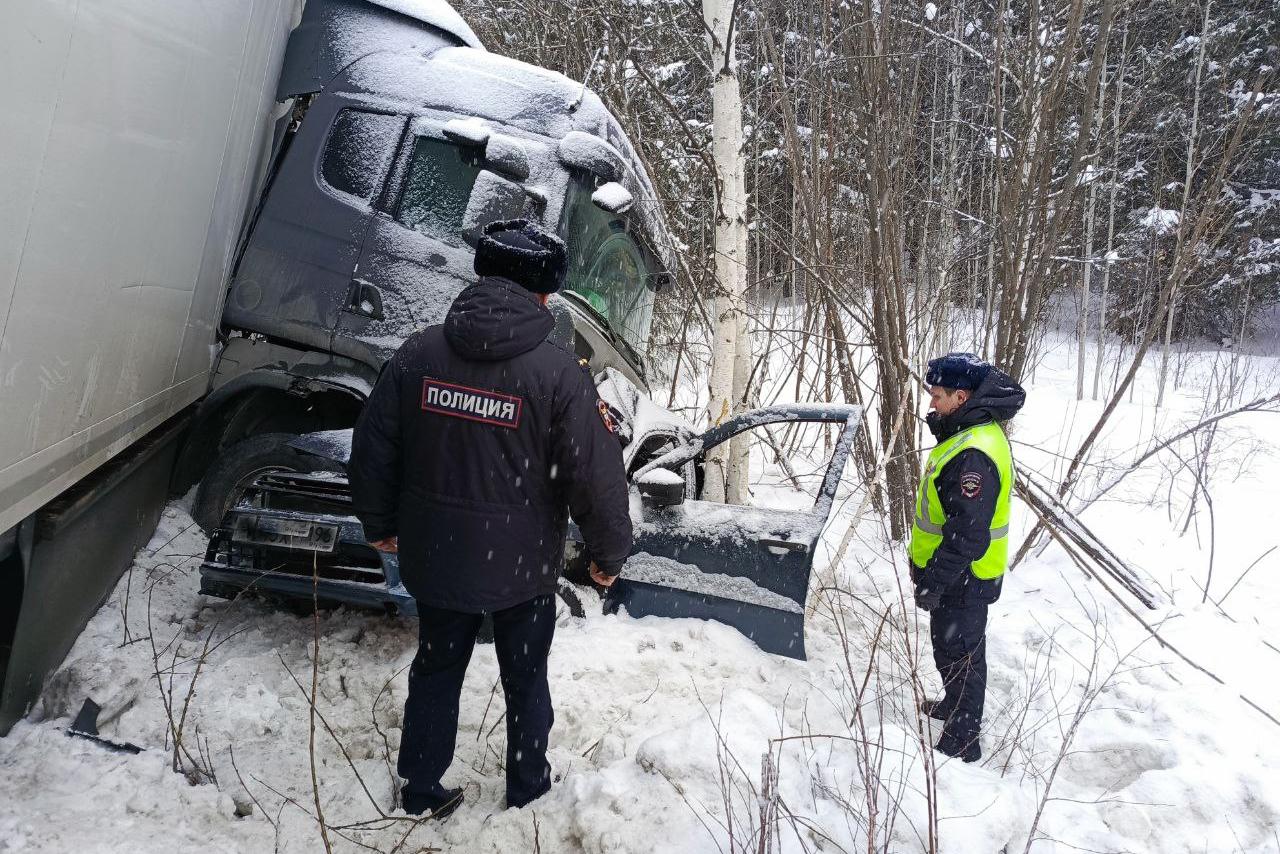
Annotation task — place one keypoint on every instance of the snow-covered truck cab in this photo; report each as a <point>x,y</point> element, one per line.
<point>385,178</point>
<point>367,232</point>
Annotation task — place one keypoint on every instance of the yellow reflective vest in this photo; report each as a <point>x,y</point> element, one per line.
<point>926,531</point>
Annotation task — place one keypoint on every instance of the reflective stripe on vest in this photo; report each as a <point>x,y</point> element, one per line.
<point>926,532</point>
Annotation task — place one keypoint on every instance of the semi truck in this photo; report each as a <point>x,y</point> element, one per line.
<point>220,220</point>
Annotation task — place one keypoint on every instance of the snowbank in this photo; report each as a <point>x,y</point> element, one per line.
<point>663,726</point>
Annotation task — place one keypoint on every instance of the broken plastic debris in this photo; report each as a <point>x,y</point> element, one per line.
<point>86,726</point>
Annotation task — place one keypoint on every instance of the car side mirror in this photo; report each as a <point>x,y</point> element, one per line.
<point>661,488</point>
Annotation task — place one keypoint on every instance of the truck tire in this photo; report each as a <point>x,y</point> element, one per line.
<point>236,466</point>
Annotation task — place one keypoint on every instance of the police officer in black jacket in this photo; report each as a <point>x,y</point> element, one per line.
<point>479,440</point>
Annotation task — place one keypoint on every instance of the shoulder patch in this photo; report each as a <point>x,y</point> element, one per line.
<point>471,404</point>
<point>971,484</point>
<point>609,417</point>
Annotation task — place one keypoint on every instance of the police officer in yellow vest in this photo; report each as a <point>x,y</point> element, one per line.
<point>960,539</point>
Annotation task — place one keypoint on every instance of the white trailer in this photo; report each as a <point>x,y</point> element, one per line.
<point>132,144</point>
<point>133,139</point>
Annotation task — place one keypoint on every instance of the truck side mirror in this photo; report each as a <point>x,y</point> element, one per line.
<point>492,198</point>
<point>661,488</point>
<point>613,198</point>
<point>507,154</point>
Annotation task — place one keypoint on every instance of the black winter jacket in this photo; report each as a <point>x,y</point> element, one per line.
<point>478,440</point>
<point>968,486</point>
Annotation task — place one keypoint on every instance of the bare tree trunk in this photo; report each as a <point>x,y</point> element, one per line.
<point>730,245</point>
<point>738,487</point>
<point>1111,213</point>
<point>1186,197</point>
<point>1207,218</point>
<point>947,202</point>
<point>1030,211</point>
<point>1088,238</point>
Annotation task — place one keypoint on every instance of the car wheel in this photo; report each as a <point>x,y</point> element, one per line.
<point>237,465</point>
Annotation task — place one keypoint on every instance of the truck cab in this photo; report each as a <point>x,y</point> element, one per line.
<point>367,231</point>
<point>215,246</point>
<point>383,180</point>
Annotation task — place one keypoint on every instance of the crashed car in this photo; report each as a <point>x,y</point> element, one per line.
<point>293,534</point>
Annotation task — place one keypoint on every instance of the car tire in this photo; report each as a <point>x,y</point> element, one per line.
<point>235,467</point>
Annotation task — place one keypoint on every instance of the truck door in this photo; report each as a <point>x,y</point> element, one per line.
<point>415,258</point>
<point>296,274</point>
<point>745,566</point>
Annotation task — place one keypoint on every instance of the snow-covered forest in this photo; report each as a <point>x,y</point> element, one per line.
<point>926,178</point>
<point>1084,192</point>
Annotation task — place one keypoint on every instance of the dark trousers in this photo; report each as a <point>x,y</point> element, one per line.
<point>522,640</point>
<point>960,652</point>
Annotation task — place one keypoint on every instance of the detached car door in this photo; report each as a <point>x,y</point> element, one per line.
<point>748,567</point>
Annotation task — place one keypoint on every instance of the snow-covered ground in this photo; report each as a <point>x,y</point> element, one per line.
<point>662,726</point>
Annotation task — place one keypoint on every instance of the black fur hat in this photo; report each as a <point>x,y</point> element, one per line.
<point>518,250</point>
<point>957,370</point>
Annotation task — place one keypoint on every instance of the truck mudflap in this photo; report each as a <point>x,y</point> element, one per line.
<point>747,567</point>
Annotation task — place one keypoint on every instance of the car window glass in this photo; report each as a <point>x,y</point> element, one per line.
<point>359,147</point>
<point>439,182</point>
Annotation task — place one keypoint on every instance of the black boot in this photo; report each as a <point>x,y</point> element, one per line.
<point>967,751</point>
<point>934,709</point>
<point>439,804</point>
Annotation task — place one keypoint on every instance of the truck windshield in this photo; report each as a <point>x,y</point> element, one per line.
<point>607,267</point>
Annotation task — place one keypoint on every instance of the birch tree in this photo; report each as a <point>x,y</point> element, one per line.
<point>725,466</point>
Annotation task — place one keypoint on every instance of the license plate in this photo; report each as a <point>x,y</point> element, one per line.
<point>285,533</point>
<point>284,527</point>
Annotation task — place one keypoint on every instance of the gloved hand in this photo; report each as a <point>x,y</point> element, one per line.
<point>926,599</point>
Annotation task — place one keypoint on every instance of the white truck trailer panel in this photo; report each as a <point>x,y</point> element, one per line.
<point>133,138</point>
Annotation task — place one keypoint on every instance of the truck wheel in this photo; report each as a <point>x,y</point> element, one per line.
<point>236,467</point>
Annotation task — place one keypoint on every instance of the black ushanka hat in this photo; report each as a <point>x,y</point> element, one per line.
<point>522,252</point>
<point>957,370</point>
